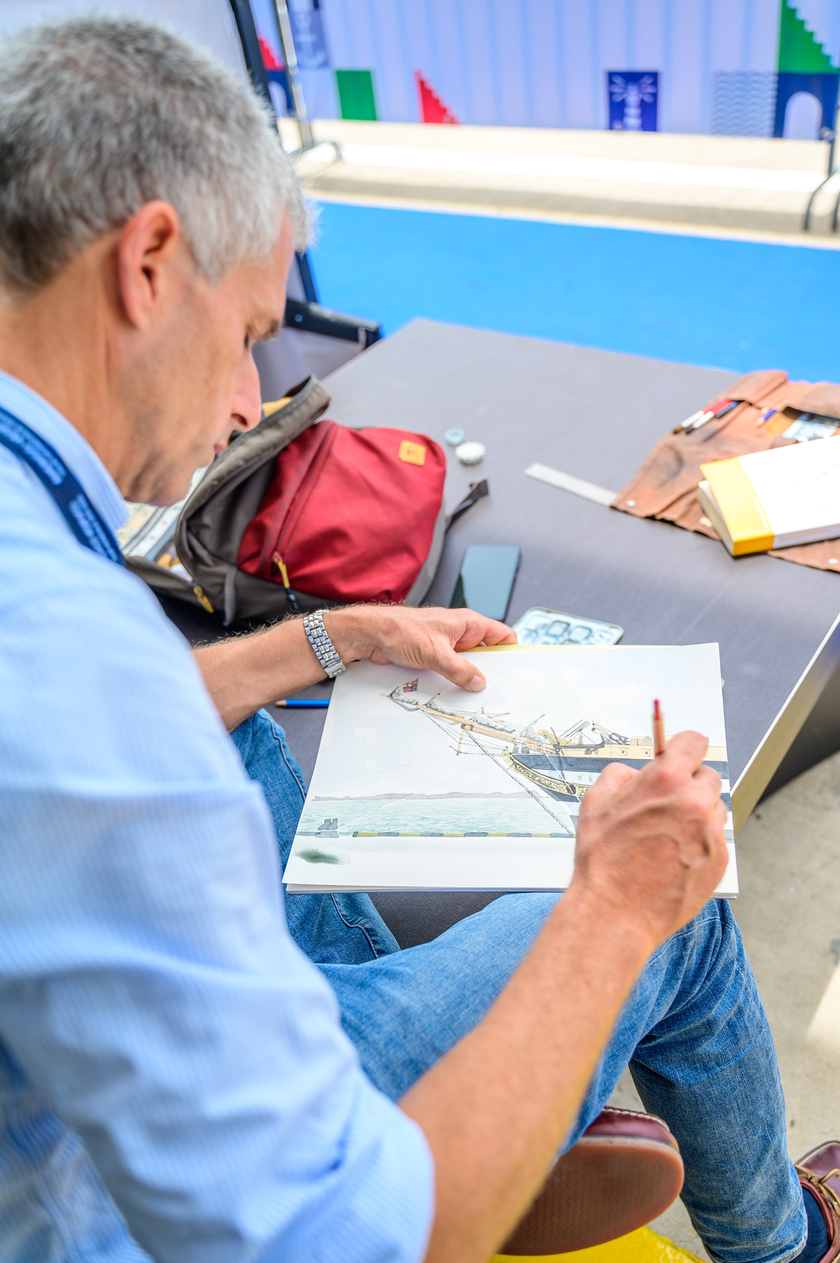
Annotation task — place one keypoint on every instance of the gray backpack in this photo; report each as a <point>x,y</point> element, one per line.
<point>218,511</point>
<point>214,516</point>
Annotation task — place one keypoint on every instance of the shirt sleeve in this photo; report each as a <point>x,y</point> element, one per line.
<point>148,982</point>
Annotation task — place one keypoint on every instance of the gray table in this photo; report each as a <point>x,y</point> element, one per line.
<point>596,414</point>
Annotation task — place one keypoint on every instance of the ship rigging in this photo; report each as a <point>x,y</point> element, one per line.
<point>563,766</point>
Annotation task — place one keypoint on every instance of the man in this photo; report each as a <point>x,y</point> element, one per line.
<point>175,1081</point>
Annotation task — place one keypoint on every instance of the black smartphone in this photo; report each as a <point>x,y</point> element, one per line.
<point>488,573</point>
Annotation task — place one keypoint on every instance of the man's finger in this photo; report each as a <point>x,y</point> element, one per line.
<point>499,634</point>
<point>457,669</point>
<point>613,777</point>
<point>718,823</point>
<point>478,629</point>
<point>718,819</point>
<point>688,748</point>
<point>707,776</point>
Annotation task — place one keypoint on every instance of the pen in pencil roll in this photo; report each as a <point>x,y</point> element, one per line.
<point>658,729</point>
<point>716,411</point>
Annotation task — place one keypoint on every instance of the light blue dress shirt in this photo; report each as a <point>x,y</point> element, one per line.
<point>161,1036</point>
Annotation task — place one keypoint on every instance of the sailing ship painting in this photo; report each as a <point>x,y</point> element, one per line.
<point>563,766</point>
<point>421,785</point>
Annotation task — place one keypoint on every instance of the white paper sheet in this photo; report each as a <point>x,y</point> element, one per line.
<point>422,786</point>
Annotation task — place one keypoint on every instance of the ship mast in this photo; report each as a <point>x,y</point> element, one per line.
<point>519,781</point>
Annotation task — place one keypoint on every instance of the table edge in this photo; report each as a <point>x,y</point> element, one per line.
<point>774,745</point>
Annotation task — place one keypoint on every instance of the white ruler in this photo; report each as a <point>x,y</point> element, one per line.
<point>568,482</point>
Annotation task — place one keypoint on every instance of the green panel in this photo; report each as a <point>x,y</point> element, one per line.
<point>355,94</point>
<point>799,51</point>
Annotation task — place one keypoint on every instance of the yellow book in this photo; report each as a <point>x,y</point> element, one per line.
<point>774,499</point>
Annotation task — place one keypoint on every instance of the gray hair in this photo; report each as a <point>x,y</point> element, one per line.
<point>99,115</point>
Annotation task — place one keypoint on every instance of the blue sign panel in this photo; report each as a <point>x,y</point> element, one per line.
<point>308,34</point>
<point>632,98</point>
<point>821,86</point>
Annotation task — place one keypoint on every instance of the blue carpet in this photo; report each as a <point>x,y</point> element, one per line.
<point>727,304</point>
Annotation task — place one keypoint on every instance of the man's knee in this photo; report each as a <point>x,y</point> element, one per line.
<point>703,984</point>
<point>710,941</point>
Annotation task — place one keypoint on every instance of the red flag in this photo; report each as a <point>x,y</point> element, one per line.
<point>269,59</point>
<point>432,109</point>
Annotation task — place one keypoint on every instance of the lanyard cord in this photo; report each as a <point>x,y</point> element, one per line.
<point>79,513</point>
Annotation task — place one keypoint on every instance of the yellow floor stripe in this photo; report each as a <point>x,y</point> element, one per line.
<point>644,1246</point>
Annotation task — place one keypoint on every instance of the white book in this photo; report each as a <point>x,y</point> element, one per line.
<point>774,499</point>
<point>420,785</point>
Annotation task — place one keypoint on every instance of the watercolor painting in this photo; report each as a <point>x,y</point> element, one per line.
<point>421,785</point>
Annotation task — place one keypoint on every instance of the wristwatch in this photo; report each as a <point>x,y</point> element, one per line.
<point>323,648</point>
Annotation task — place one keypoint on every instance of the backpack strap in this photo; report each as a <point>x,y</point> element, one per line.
<point>211,523</point>
<point>477,491</point>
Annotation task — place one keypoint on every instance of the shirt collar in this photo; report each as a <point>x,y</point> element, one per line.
<point>78,455</point>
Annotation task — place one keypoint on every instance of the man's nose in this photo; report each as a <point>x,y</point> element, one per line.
<point>246,409</point>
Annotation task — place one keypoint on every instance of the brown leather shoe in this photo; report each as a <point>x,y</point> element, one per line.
<point>624,1171</point>
<point>819,1172</point>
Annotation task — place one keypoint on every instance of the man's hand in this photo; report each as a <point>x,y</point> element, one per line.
<point>421,639</point>
<point>248,672</point>
<point>651,844</point>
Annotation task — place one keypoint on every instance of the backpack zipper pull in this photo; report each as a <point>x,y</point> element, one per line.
<point>284,575</point>
<point>202,597</point>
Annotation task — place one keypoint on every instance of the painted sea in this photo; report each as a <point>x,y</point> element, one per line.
<point>482,843</point>
<point>483,815</point>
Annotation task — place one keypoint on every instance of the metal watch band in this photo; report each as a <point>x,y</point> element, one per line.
<point>322,646</point>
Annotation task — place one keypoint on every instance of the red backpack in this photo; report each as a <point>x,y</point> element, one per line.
<point>350,515</point>
<point>302,514</point>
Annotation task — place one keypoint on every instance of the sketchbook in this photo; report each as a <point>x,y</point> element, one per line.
<point>420,785</point>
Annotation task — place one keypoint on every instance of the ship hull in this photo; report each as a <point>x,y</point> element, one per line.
<point>566,778</point>
<point>546,772</point>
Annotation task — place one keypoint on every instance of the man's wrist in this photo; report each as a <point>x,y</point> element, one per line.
<point>627,929</point>
<point>329,659</point>
<point>352,630</point>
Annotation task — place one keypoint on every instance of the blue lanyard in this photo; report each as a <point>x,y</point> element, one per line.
<point>80,515</point>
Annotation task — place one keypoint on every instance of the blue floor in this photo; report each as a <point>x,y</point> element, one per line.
<point>727,304</point>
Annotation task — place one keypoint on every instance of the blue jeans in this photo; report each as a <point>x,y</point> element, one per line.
<point>693,1031</point>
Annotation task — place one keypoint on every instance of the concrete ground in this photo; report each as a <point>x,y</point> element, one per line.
<point>718,183</point>
<point>789,914</point>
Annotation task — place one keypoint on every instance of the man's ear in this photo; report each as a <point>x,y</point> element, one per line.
<point>147,247</point>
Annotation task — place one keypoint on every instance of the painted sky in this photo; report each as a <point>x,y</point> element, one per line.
<point>371,746</point>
